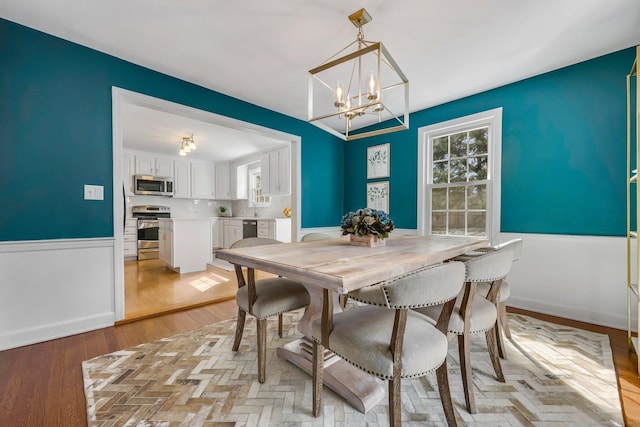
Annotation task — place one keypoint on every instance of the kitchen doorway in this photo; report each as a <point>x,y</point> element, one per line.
<point>121,97</point>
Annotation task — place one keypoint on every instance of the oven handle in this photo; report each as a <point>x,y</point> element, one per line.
<point>148,223</point>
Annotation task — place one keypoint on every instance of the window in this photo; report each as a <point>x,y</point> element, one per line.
<point>256,198</point>
<point>459,176</point>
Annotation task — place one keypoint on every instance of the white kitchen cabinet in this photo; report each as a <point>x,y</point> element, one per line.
<point>130,246</point>
<point>185,244</point>
<point>231,231</point>
<point>147,164</point>
<point>240,186</point>
<point>275,228</point>
<point>223,181</point>
<point>128,171</point>
<point>181,179</point>
<point>232,181</point>
<point>202,180</point>
<point>276,171</point>
<point>165,242</point>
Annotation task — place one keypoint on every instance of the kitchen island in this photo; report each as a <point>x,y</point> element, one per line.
<point>185,243</point>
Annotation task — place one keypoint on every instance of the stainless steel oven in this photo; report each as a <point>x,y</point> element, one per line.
<point>148,226</point>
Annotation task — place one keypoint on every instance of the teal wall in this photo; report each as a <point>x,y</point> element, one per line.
<point>55,136</point>
<point>563,151</point>
<point>563,154</point>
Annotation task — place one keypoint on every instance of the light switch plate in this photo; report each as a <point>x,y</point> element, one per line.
<point>93,192</point>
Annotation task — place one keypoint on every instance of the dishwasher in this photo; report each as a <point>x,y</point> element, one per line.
<point>249,228</point>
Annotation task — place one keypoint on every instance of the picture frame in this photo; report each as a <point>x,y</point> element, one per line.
<point>378,161</point>
<point>378,195</point>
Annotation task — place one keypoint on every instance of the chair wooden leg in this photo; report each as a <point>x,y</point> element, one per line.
<point>445,394</point>
<point>395,402</point>
<point>342,300</point>
<point>464,349</point>
<point>262,349</point>
<point>239,329</point>
<point>318,366</point>
<point>492,345</point>
<point>505,320</point>
<point>502,351</point>
<point>280,325</point>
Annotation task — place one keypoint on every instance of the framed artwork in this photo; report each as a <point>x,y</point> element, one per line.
<point>378,161</point>
<point>378,195</point>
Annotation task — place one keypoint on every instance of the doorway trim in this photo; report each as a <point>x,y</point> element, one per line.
<point>122,96</point>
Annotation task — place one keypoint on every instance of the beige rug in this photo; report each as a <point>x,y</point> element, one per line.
<point>556,375</point>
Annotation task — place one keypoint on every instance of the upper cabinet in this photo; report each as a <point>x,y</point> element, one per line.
<point>276,171</point>
<point>202,180</point>
<point>231,181</point>
<point>181,179</point>
<point>147,164</point>
<point>223,184</point>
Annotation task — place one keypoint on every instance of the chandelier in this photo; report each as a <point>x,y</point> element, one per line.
<point>361,93</point>
<point>187,145</point>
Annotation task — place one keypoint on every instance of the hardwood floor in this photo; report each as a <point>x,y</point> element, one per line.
<point>152,289</point>
<point>41,384</point>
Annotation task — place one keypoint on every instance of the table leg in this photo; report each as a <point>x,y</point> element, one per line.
<point>360,389</point>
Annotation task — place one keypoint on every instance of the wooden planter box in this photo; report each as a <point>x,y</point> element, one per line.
<point>370,240</point>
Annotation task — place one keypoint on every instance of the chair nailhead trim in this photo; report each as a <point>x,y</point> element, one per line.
<point>386,377</point>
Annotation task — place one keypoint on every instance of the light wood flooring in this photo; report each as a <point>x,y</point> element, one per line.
<point>152,289</point>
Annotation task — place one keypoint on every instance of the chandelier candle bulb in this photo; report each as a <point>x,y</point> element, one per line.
<point>339,95</point>
<point>372,87</point>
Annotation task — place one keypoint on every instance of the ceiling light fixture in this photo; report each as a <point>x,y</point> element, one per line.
<point>187,145</point>
<point>363,87</point>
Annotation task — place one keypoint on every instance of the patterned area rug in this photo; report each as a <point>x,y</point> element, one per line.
<point>555,375</point>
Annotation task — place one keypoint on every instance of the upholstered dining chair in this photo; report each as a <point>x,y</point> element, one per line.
<point>474,313</point>
<point>262,299</point>
<point>505,288</point>
<point>309,237</point>
<point>388,339</point>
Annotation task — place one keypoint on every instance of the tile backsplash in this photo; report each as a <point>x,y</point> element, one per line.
<point>190,208</point>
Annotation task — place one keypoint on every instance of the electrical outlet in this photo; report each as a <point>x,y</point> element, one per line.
<point>93,192</point>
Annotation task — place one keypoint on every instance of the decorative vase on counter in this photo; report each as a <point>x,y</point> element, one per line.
<point>368,240</point>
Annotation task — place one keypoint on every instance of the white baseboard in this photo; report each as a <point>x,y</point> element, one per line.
<point>42,333</point>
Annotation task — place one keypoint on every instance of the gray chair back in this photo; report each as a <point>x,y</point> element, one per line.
<point>490,267</point>
<point>425,287</point>
<point>515,245</point>
<point>254,241</point>
<point>315,236</point>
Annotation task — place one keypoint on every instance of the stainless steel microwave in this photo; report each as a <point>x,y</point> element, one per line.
<point>152,185</point>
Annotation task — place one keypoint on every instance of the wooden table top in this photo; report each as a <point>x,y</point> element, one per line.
<point>335,264</point>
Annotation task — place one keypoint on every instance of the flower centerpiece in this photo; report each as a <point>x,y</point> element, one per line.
<point>367,227</point>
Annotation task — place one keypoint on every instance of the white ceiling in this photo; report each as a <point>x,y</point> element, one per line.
<point>260,51</point>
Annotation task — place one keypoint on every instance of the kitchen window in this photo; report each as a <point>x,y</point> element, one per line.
<point>256,198</point>
<point>459,176</point>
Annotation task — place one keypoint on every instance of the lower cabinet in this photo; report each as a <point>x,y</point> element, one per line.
<point>130,239</point>
<point>231,232</point>
<point>185,244</point>
<point>277,228</point>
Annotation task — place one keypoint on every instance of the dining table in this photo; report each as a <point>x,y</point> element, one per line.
<point>338,266</point>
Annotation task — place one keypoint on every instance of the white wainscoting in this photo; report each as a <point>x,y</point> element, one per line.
<point>52,289</point>
<point>55,288</point>
<point>576,277</point>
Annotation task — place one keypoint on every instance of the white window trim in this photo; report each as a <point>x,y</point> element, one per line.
<point>491,118</point>
<point>252,202</point>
